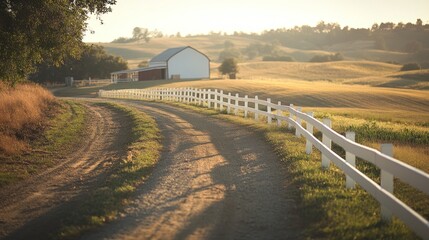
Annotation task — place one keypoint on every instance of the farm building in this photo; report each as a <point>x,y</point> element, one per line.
<point>173,63</point>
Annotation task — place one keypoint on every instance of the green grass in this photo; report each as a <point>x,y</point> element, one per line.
<point>65,129</point>
<point>107,201</point>
<point>327,208</point>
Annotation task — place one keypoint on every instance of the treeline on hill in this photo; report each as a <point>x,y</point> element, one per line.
<point>141,34</point>
<point>93,63</point>
<point>410,38</point>
<point>407,37</point>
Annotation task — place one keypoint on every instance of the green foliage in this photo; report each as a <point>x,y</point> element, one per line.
<point>257,49</point>
<point>140,34</point>
<point>32,32</point>
<point>375,131</point>
<point>278,59</point>
<point>410,67</point>
<point>229,66</point>
<point>94,62</point>
<point>144,63</point>
<point>327,58</point>
<point>229,53</point>
<point>123,40</point>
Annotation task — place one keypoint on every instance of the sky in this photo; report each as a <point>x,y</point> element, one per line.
<point>201,16</point>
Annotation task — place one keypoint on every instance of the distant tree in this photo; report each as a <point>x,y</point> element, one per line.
<point>400,26</point>
<point>419,24</point>
<point>229,53</point>
<point>123,40</point>
<point>94,62</point>
<point>144,63</point>
<point>411,67</point>
<point>137,33</point>
<point>229,67</point>
<point>32,32</point>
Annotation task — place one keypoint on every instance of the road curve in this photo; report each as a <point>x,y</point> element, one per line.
<point>35,208</point>
<point>215,180</point>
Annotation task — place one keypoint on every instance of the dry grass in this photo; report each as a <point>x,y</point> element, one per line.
<point>329,71</point>
<point>22,110</point>
<point>361,101</point>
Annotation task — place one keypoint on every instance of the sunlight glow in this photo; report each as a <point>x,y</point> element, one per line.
<point>196,16</point>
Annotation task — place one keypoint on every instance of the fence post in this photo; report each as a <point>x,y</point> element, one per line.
<point>299,121</point>
<point>386,181</point>
<point>308,144</point>
<point>203,97</point>
<point>327,142</point>
<point>256,108</point>
<point>279,113</point>
<point>193,95</point>
<point>289,125</point>
<point>229,103</point>
<point>209,98</point>
<point>221,101</point>
<point>246,105</point>
<point>236,104</point>
<point>351,159</point>
<point>215,101</point>
<point>269,119</point>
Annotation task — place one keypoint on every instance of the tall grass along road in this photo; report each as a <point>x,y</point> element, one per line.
<point>36,207</point>
<point>214,180</point>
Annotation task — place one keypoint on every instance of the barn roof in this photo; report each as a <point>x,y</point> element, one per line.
<point>167,54</point>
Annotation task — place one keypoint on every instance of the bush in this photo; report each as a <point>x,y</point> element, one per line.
<point>327,58</point>
<point>229,66</point>
<point>123,40</point>
<point>278,59</point>
<point>22,109</point>
<point>411,67</point>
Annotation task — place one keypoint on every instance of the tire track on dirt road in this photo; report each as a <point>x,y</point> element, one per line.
<point>215,180</point>
<point>35,207</point>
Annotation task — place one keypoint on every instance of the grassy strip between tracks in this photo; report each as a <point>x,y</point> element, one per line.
<point>108,201</point>
<point>328,210</point>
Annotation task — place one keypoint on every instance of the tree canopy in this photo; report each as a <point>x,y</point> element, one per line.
<point>93,63</point>
<point>36,31</point>
<point>229,66</point>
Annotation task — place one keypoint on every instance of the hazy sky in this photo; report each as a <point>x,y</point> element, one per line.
<point>200,16</point>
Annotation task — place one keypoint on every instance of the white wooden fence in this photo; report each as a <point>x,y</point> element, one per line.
<point>390,167</point>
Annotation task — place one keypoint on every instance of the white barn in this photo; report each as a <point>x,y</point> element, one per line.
<point>173,63</point>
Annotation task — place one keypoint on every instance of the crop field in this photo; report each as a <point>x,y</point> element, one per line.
<point>334,90</point>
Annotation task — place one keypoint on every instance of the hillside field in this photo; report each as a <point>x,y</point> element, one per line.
<point>212,46</point>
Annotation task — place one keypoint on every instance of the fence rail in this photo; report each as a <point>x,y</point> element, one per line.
<point>294,117</point>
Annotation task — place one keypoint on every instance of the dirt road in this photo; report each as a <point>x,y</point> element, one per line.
<point>215,180</point>
<point>34,208</point>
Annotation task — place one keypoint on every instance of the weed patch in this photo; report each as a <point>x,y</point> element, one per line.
<point>55,139</point>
